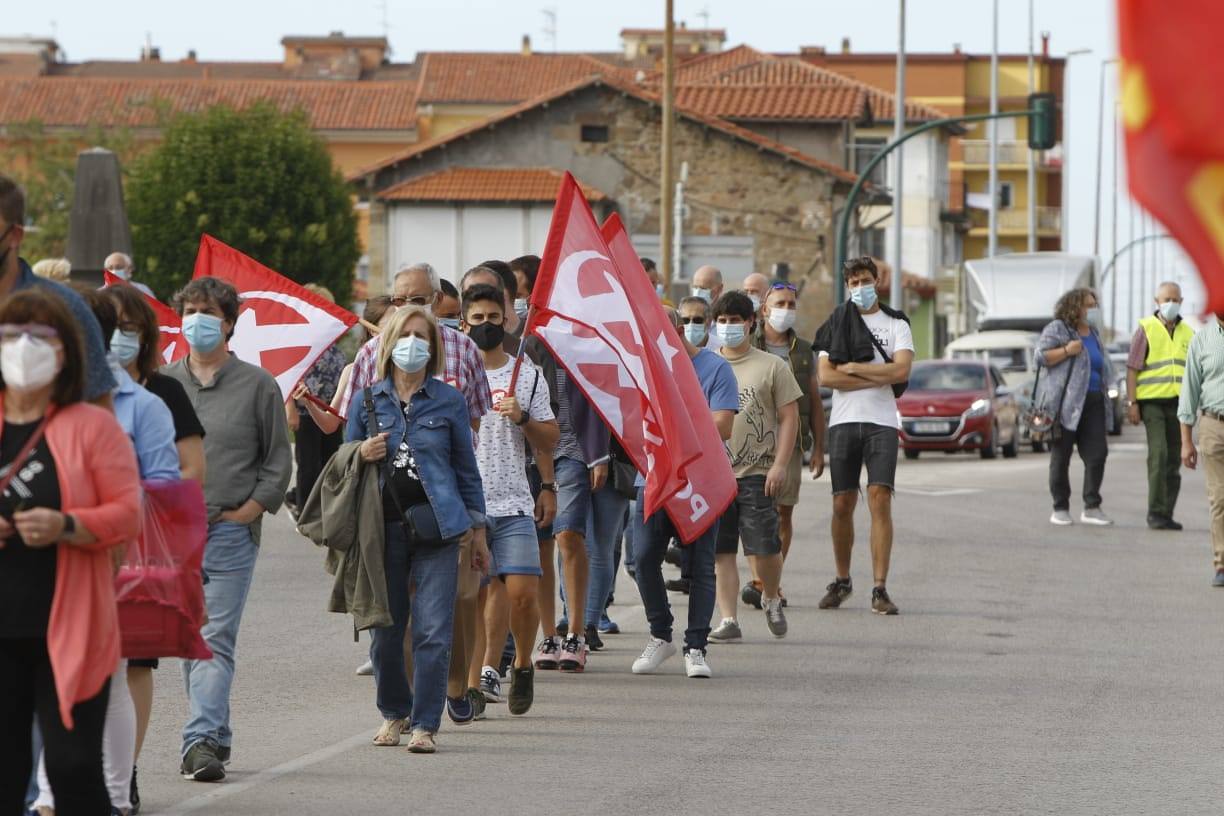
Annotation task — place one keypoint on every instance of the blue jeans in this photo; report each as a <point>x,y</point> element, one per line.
<point>229,563</point>
<point>433,574</point>
<point>650,540</point>
<point>605,525</point>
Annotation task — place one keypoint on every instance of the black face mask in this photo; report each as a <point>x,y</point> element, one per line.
<point>487,336</point>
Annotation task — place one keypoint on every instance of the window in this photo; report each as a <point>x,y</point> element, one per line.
<point>864,151</point>
<point>872,242</point>
<point>1005,195</point>
<point>594,133</point>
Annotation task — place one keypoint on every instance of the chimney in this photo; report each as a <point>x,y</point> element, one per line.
<point>845,45</point>
<point>191,57</point>
<point>956,48</point>
<point>1045,45</point>
<point>526,48</point>
<point>811,50</point>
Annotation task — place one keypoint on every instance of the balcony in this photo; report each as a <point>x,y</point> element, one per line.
<point>976,153</point>
<point>1014,221</point>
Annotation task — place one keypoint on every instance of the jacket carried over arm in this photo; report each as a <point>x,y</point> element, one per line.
<point>846,338</point>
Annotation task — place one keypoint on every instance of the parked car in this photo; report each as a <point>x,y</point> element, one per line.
<point>958,405</point>
<point>1117,390</point>
<point>1013,353</point>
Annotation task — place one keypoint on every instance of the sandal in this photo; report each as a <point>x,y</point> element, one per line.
<point>389,734</point>
<point>422,742</point>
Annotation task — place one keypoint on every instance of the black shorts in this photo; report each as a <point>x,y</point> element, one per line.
<point>752,517</point>
<point>855,444</point>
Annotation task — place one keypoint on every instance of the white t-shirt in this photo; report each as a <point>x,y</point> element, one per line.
<point>502,453</point>
<point>876,406</point>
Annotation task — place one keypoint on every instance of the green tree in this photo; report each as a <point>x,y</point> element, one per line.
<point>257,179</point>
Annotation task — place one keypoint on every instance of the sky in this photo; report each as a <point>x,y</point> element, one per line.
<point>233,30</point>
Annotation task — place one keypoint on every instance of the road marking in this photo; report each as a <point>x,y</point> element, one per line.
<point>940,491</point>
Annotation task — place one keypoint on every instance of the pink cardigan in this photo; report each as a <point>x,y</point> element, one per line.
<point>100,486</point>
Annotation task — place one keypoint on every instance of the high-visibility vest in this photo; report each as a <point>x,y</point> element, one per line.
<point>1162,372</point>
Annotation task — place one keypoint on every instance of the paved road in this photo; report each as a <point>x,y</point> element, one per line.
<point>1032,670</point>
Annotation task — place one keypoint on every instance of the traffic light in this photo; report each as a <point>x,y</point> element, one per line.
<point>1042,121</point>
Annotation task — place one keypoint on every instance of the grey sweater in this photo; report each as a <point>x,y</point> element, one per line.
<point>246,439</point>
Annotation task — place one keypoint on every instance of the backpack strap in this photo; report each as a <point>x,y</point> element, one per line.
<point>367,401</point>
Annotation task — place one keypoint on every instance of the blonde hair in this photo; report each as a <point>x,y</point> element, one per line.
<point>56,269</point>
<point>321,291</point>
<point>395,329</point>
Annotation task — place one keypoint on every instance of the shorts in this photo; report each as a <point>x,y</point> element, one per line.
<point>751,517</point>
<point>513,545</point>
<point>544,533</point>
<point>789,496</point>
<point>573,496</point>
<point>855,444</point>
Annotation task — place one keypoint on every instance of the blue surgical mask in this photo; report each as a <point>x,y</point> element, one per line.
<point>863,296</point>
<point>203,332</point>
<point>659,290</point>
<point>410,354</point>
<point>704,294</point>
<point>732,334</point>
<point>520,308</point>
<point>1170,310</point>
<point>695,333</point>
<point>125,346</point>
<point>1094,317</point>
<point>450,322</point>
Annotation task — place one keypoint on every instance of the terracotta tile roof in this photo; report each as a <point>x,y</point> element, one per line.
<point>629,89</point>
<point>330,105</point>
<point>805,103</point>
<point>485,184</point>
<point>704,68</point>
<point>500,78</point>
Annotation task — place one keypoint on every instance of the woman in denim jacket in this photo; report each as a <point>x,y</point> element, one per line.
<point>424,447</point>
<point>1078,373</point>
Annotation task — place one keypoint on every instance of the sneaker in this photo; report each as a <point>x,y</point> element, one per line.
<point>727,631</point>
<point>366,669</point>
<point>134,795</point>
<point>479,703</point>
<point>751,594</point>
<point>839,592</point>
<point>677,585</point>
<point>1218,581</point>
<point>594,641</point>
<point>422,742</point>
<point>223,754</point>
<point>881,604</point>
<point>1061,518</point>
<point>548,654</point>
<point>1158,522</point>
<point>490,684</point>
<point>674,555</point>
<point>201,763</point>
<point>607,626</point>
<point>522,690</point>
<point>460,709</point>
<point>775,618</point>
<point>1095,516</point>
<point>695,665</point>
<point>653,655</point>
<point>573,655</point>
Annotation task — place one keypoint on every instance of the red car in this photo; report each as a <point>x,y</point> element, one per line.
<point>958,405</point>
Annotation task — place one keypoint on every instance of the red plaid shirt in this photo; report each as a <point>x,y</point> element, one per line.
<point>463,367</point>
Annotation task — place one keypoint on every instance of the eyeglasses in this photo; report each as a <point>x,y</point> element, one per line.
<point>39,331</point>
<point>790,287</point>
<point>416,300</point>
<point>684,321</point>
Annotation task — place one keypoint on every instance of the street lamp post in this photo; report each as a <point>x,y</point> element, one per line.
<point>1096,222</point>
<point>1066,149</point>
<point>992,239</point>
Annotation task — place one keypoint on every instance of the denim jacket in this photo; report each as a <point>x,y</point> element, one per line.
<point>1073,375</point>
<point>440,438</point>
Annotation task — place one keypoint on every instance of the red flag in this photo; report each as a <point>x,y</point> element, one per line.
<point>282,326</point>
<point>172,345</point>
<point>583,314</point>
<point>1174,119</point>
<point>711,484</point>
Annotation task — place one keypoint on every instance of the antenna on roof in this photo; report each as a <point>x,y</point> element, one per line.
<point>386,24</point>
<point>550,25</point>
<point>704,14</point>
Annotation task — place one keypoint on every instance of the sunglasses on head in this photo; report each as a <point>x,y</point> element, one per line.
<point>790,287</point>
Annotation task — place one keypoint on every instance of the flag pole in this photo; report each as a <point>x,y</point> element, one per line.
<point>522,350</point>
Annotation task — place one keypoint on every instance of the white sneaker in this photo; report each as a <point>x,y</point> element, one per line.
<point>653,655</point>
<point>1095,516</point>
<point>695,664</point>
<point>1061,518</point>
<point>775,618</point>
<point>490,685</point>
<point>366,669</point>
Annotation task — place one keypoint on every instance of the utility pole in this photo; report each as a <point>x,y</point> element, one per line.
<point>1031,176</point>
<point>1130,263</point>
<point>897,289</point>
<point>666,215</point>
<point>992,245</point>
<point>1113,240</point>
<point>1065,214</point>
<point>1096,221</point>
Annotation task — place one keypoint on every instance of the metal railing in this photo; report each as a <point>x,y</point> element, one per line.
<point>1049,219</point>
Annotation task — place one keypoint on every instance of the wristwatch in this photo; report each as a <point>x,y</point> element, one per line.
<point>69,527</point>
<point>524,418</point>
<point>549,486</point>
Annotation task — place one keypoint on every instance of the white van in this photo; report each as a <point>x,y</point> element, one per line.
<point>1011,351</point>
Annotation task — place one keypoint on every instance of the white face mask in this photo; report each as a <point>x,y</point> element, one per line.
<point>27,363</point>
<point>122,272</point>
<point>781,320</point>
<point>756,303</point>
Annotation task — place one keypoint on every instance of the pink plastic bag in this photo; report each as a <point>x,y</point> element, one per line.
<point>159,588</point>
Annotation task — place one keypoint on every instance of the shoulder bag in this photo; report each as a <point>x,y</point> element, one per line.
<point>1041,420</point>
<point>897,388</point>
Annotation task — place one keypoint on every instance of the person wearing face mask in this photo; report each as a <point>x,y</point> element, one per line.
<point>707,284</point>
<point>652,272</point>
<point>525,269</point>
<point>120,265</point>
<point>1077,372</point>
<point>776,334</point>
<point>16,276</point>
<point>517,419</point>
<point>1202,403</point>
<point>694,313</point>
<point>756,287</point>
<point>69,494</point>
<point>246,448</point>
<point>447,311</point>
<point>761,446</point>
<point>1154,371</point>
<point>417,427</point>
<point>865,350</point>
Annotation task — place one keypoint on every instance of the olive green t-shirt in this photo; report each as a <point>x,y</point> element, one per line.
<point>766,384</point>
